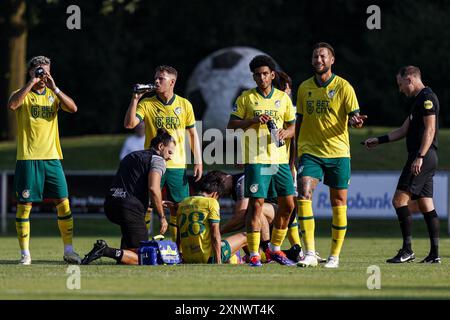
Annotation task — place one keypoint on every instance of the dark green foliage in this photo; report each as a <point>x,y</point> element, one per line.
<point>118,46</point>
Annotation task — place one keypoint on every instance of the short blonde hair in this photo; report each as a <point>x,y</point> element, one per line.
<point>38,61</point>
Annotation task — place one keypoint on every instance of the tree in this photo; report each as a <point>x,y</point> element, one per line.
<point>13,43</point>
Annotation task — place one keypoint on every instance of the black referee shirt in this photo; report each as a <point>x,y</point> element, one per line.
<point>425,104</point>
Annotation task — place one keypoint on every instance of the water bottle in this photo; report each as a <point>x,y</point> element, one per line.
<point>272,126</point>
<point>141,88</point>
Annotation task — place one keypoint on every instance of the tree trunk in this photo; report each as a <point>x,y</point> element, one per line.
<point>13,43</point>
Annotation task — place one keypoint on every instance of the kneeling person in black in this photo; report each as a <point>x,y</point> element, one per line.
<point>138,177</point>
<point>416,180</point>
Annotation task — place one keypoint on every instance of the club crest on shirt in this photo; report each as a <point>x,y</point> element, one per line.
<point>51,99</point>
<point>277,103</point>
<point>331,93</point>
<point>254,188</point>
<point>177,111</point>
<point>234,107</point>
<point>428,104</point>
<point>26,194</point>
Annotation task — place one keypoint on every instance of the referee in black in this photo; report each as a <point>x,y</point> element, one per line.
<point>137,180</point>
<point>416,180</point>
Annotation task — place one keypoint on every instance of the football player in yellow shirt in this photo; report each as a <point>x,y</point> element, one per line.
<point>175,114</point>
<point>267,171</point>
<point>39,173</point>
<point>198,220</point>
<point>326,105</point>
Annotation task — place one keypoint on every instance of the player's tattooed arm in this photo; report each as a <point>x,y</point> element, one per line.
<point>16,99</point>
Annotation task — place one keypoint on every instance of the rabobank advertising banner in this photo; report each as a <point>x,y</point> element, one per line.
<point>370,195</point>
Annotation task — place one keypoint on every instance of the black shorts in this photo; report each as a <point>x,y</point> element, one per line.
<point>420,186</point>
<point>131,222</point>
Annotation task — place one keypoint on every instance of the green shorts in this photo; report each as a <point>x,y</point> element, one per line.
<point>176,183</point>
<point>35,180</point>
<point>225,252</point>
<point>336,171</point>
<point>268,181</point>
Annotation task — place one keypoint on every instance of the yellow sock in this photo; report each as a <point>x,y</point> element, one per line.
<point>173,228</point>
<point>307,224</point>
<point>65,222</point>
<point>338,229</point>
<point>148,219</point>
<point>292,233</point>
<point>233,259</point>
<point>253,239</point>
<point>277,238</point>
<point>23,227</point>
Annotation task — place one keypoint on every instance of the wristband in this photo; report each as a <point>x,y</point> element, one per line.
<point>419,156</point>
<point>383,139</point>
<point>56,91</point>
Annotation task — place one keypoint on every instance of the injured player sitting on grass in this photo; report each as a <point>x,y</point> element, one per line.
<point>198,220</point>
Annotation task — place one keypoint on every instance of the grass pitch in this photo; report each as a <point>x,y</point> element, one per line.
<point>367,243</point>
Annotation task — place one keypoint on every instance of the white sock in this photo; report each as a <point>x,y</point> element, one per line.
<point>25,252</point>
<point>68,248</point>
<point>274,248</point>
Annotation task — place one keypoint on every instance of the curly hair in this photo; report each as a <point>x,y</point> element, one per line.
<point>262,61</point>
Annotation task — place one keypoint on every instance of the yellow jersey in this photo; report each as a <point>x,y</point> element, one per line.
<point>194,216</point>
<point>257,145</point>
<point>37,126</point>
<point>325,111</point>
<point>175,116</point>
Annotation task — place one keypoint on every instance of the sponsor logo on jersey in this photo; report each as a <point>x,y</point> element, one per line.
<point>118,193</point>
<point>309,107</point>
<point>35,111</point>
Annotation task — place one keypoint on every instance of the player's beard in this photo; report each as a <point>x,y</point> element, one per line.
<point>40,85</point>
<point>321,72</point>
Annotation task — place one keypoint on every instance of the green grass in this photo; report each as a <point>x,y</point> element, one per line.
<point>368,242</point>
<point>101,152</point>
